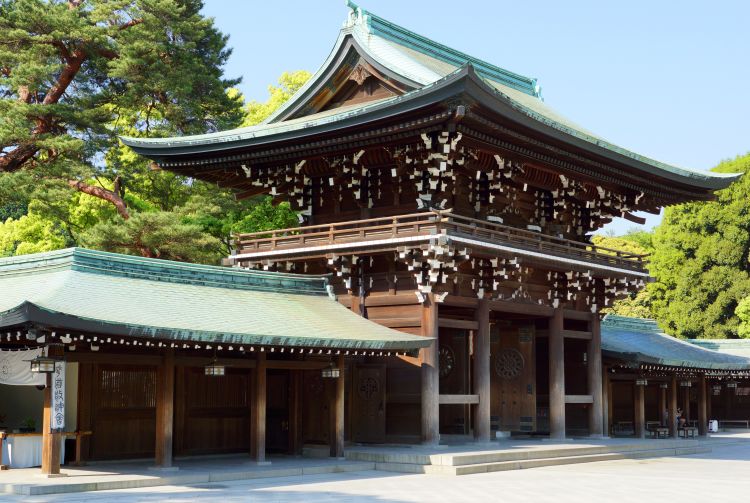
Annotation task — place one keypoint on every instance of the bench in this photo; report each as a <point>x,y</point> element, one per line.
<point>623,429</point>
<point>687,432</point>
<point>658,432</point>
<point>723,423</point>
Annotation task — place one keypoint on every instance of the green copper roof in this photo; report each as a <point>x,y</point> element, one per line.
<point>425,66</point>
<point>640,341</point>
<point>387,30</point>
<point>740,347</point>
<point>113,294</point>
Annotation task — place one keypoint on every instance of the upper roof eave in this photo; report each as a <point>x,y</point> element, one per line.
<point>466,81</point>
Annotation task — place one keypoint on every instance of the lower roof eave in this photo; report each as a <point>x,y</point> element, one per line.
<point>29,313</point>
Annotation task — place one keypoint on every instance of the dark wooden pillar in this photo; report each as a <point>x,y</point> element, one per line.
<point>482,373</point>
<point>673,407</point>
<point>51,441</point>
<point>337,438</point>
<point>430,374</point>
<point>556,376</point>
<point>165,411</point>
<point>606,401</point>
<point>640,411</point>
<point>686,406</point>
<point>594,370</point>
<point>258,419</point>
<point>702,407</point>
<point>663,405</point>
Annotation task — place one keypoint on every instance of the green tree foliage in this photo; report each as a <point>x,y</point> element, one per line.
<point>74,75</point>
<point>638,243</point>
<point>159,234</point>
<point>743,314</point>
<point>288,84</point>
<point>700,261</point>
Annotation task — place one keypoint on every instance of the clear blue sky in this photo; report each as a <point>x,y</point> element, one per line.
<point>667,79</point>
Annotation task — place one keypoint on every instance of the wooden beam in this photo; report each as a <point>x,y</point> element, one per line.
<point>51,441</point>
<point>594,375</point>
<point>430,374</point>
<point>337,439</point>
<point>572,314</point>
<point>400,299</point>
<point>482,378</point>
<point>397,322</point>
<point>165,411</point>
<point>460,324</point>
<point>99,357</point>
<point>556,376</point>
<point>295,365</point>
<point>258,413</point>
<point>579,399</point>
<point>458,399</point>
<point>458,301</point>
<point>198,361</point>
<point>577,334</point>
<point>507,306</point>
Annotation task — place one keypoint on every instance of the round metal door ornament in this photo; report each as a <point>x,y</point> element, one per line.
<point>447,361</point>
<point>368,387</point>
<point>508,363</point>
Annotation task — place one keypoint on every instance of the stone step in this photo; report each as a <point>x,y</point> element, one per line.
<point>485,455</point>
<point>537,462</point>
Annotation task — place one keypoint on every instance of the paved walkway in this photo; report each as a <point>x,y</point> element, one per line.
<point>720,476</point>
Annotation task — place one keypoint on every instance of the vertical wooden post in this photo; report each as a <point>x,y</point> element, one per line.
<point>640,411</point>
<point>686,407</point>
<point>430,373</point>
<point>482,373</point>
<point>673,407</point>
<point>337,439</point>
<point>662,405</point>
<point>702,408</point>
<point>594,369</point>
<point>165,410</point>
<point>51,441</point>
<point>258,420</point>
<point>606,401</point>
<point>556,376</point>
<point>709,400</point>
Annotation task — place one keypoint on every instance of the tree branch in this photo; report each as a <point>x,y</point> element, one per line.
<point>107,195</point>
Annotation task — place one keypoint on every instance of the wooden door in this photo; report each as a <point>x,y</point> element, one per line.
<point>212,413</point>
<point>513,363</point>
<point>368,400</point>
<point>119,405</point>
<point>277,411</point>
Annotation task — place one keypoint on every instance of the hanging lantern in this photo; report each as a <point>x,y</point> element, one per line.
<point>330,373</point>
<point>214,369</point>
<point>686,384</point>
<point>732,384</point>
<point>42,365</point>
<point>664,385</point>
<point>641,382</point>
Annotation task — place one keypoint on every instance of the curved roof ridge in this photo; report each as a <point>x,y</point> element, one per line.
<point>391,31</point>
<point>130,266</point>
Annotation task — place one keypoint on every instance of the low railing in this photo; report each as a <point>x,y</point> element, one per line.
<point>430,223</point>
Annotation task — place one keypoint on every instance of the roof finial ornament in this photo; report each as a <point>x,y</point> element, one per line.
<point>355,13</point>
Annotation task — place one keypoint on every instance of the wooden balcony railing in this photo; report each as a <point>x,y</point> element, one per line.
<point>425,224</point>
